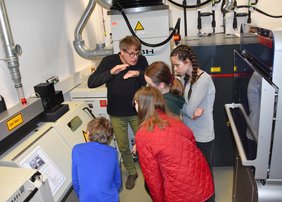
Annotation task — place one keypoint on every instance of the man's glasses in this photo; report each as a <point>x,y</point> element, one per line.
<point>132,55</point>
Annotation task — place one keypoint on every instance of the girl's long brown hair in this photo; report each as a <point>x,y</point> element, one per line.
<point>150,103</point>
<point>159,72</point>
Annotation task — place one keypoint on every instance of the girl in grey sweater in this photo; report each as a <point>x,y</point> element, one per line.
<point>199,97</point>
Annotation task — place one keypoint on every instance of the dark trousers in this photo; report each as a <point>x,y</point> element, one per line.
<point>207,148</point>
<point>147,188</point>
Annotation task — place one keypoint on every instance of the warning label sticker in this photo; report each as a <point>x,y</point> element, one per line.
<point>139,26</point>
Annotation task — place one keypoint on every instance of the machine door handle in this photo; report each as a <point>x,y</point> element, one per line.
<point>236,135</point>
<point>89,111</point>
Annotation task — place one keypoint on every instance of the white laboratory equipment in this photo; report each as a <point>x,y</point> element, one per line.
<point>255,114</point>
<point>22,184</point>
<point>96,99</point>
<point>150,24</point>
<point>47,148</point>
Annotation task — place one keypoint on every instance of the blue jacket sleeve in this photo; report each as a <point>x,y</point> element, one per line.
<point>75,182</point>
<point>117,175</point>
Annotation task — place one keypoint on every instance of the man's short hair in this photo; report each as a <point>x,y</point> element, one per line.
<point>128,42</point>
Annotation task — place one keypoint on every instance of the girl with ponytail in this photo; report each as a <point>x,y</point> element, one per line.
<point>159,75</point>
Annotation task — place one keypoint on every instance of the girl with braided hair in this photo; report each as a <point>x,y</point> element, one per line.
<point>199,97</point>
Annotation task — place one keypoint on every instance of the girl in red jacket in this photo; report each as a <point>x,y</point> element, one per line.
<point>172,165</point>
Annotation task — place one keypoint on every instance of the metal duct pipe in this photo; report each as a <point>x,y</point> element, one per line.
<point>105,3</point>
<point>11,51</point>
<point>228,5</point>
<point>79,44</point>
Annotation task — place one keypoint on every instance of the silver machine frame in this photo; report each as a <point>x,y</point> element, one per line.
<point>260,179</point>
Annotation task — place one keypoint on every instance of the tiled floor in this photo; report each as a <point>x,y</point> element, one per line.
<point>223,186</point>
<point>138,193</point>
<point>223,177</point>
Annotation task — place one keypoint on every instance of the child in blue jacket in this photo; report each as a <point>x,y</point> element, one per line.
<point>95,170</point>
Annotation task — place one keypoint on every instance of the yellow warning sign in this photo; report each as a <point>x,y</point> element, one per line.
<point>215,69</point>
<point>139,26</point>
<point>14,122</point>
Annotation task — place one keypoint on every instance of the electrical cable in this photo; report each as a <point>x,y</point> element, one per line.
<point>256,2</point>
<point>250,6</point>
<point>185,17</point>
<point>266,14</point>
<point>259,11</point>
<point>148,44</point>
<point>205,14</point>
<point>191,6</point>
<point>136,3</point>
<point>176,29</point>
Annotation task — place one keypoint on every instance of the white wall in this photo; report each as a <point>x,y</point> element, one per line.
<point>272,7</point>
<point>45,31</point>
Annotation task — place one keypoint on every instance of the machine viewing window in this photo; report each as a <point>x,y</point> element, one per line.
<point>257,45</point>
<point>246,92</point>
<point>75,123</point>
